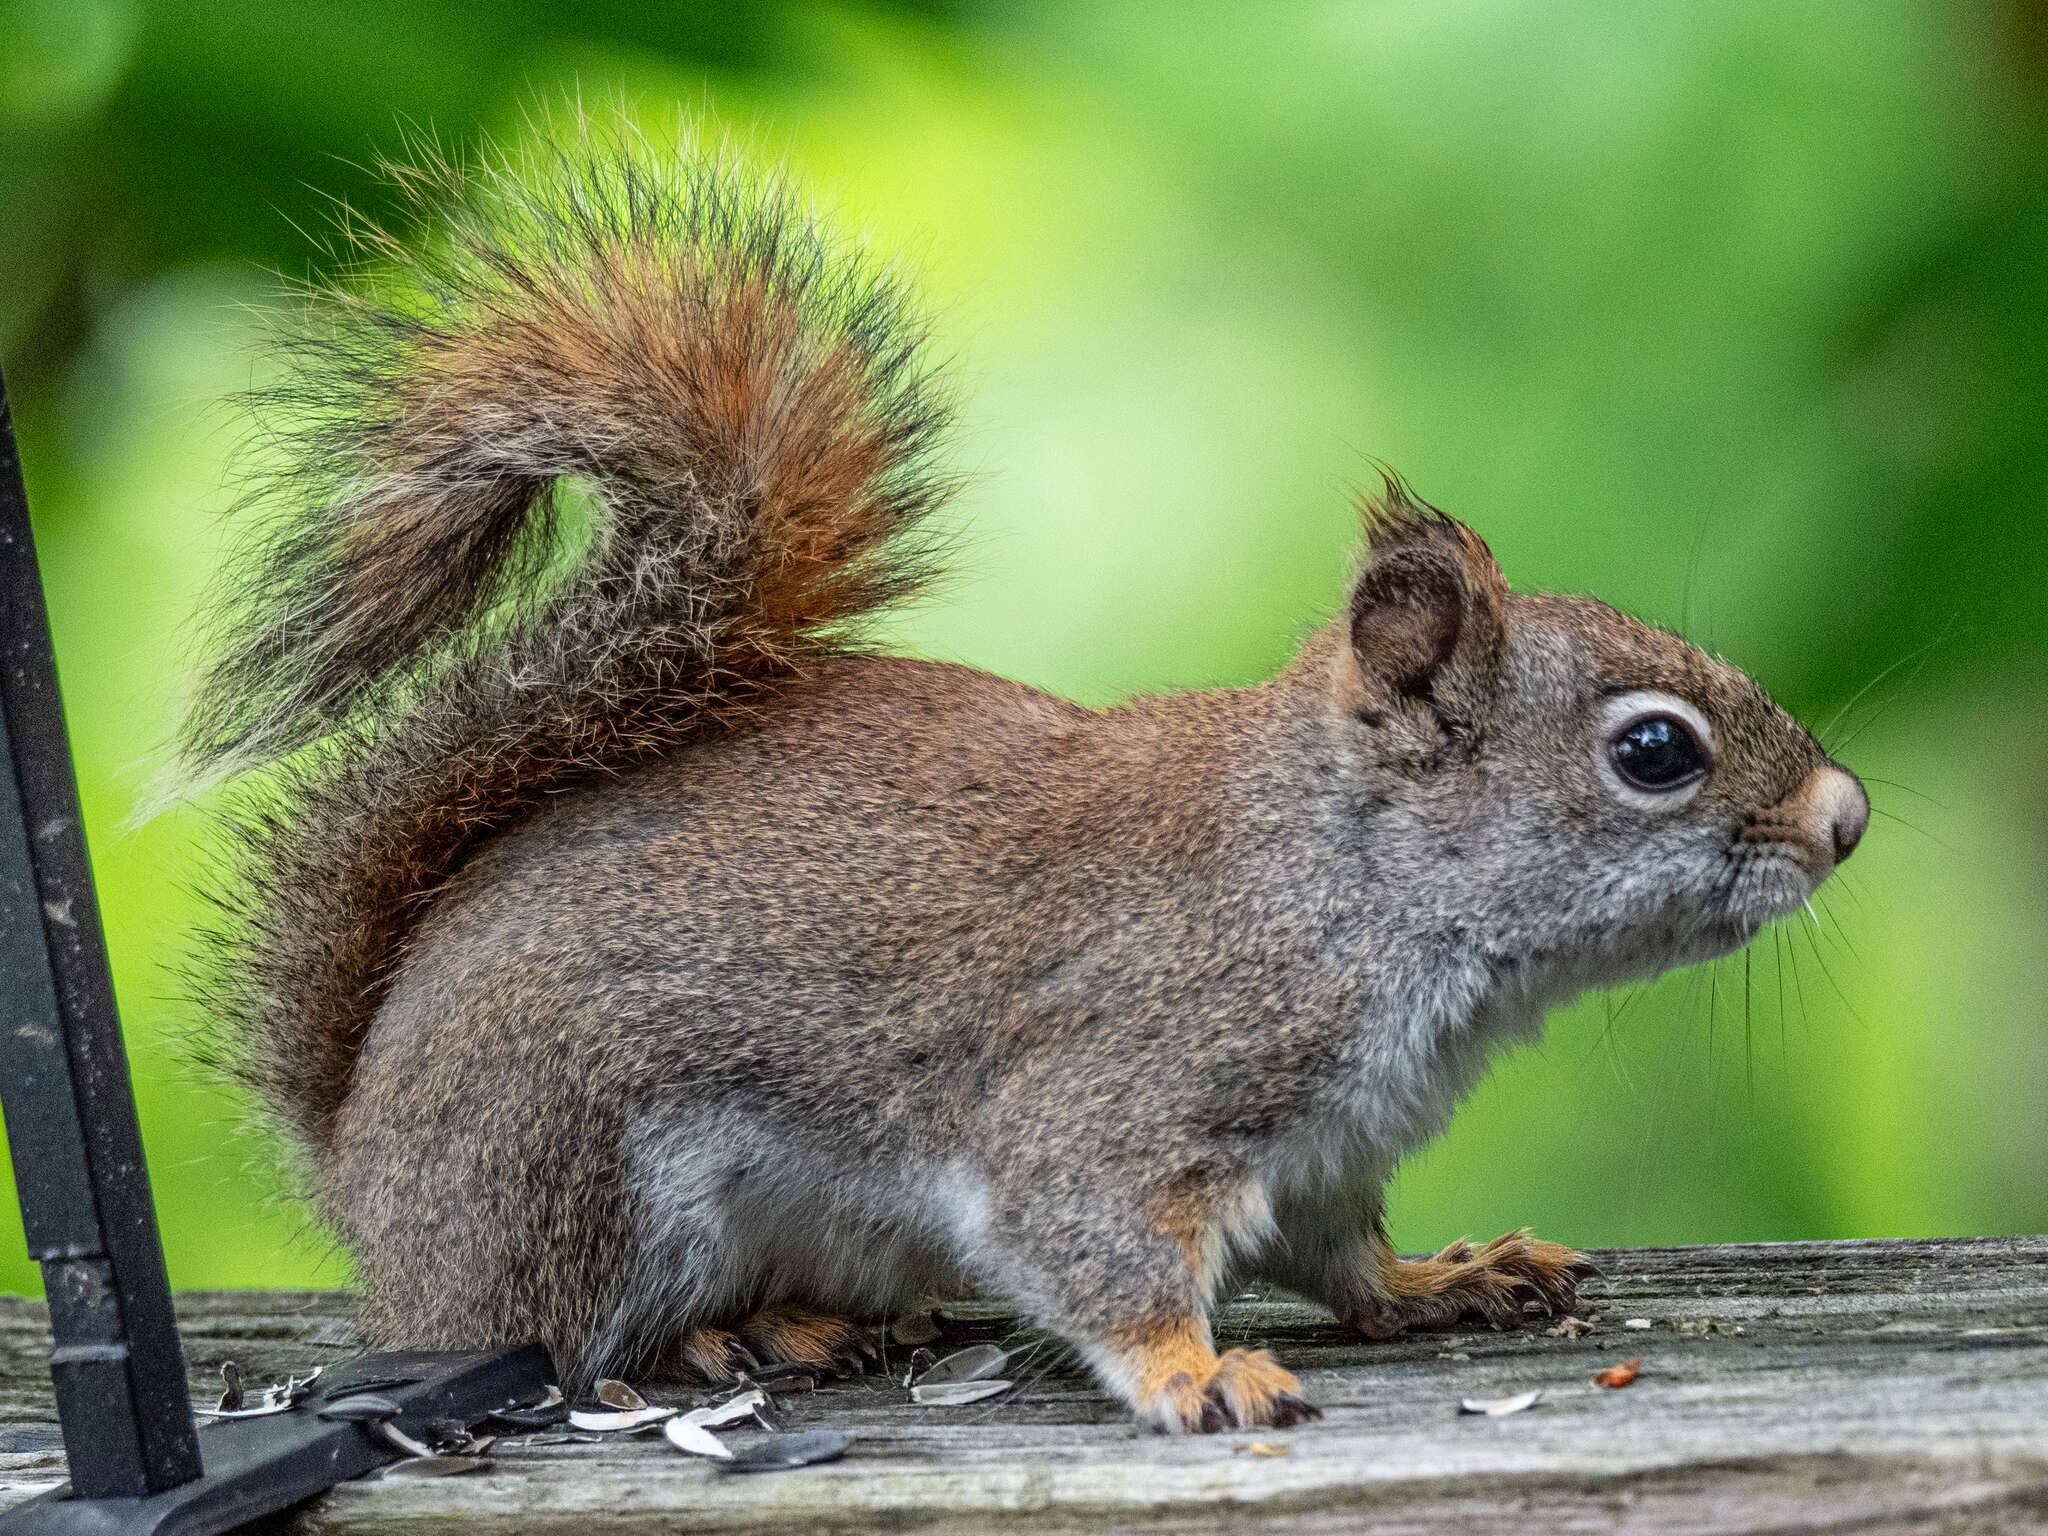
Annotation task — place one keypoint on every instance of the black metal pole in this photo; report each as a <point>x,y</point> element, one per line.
<point>71,1127</point>
<point>84,1191</point>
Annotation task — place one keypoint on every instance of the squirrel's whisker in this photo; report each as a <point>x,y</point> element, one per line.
<point>1778,957</point>
<point>1748,1036</point>
<point>1919,653</point>
<point>1877,810</point>
<point>1905,789</point>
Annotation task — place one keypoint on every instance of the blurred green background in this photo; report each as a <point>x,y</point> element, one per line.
<point>1730,313</point>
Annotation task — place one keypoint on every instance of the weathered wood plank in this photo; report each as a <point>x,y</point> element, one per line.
<point>1898,1386</point>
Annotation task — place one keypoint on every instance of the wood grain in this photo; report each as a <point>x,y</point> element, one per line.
<point>1865,1386</point>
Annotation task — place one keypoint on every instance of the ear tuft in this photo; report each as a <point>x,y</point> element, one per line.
<point>1428,612</point>
<point>1387,512</point>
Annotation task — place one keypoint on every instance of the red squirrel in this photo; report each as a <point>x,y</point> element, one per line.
<point>644,965</point>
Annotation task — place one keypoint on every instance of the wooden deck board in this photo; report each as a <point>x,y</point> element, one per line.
<point>1877,1386</point>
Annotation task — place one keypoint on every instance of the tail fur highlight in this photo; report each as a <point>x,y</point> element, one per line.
<point>746,402</point>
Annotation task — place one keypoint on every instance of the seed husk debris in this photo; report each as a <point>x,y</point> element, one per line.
<point>1617,1376</point>
<point>780,1453</point>
<point>1500,1407</point>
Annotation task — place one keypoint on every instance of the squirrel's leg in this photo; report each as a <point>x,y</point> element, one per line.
<point>1348,1263</point>
<point>1128,1283</point>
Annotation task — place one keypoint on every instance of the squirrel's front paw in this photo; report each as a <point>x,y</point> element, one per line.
<point>1253,1389</point>
<point>1494,1282</point>
<point>1248,1389</point>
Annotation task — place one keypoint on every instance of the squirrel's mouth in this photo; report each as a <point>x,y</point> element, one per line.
<point>1766,881</point>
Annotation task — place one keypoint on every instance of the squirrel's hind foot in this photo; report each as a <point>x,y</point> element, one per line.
<point>785,1333</point>
<point>1493,1282</point>
<point>779,1334</point>
<point>715,1355</point>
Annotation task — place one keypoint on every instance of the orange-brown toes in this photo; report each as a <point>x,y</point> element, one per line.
<point>1178,1407</point>
<point>711,1353</point>
<point>1166,1363</point>
<point>1493,1282</point>
<point>1253,1389</point>
<point>777,1334</point>
<point>1548,1272</point>
<point>1180,1385</point>
<point>785,1332</point>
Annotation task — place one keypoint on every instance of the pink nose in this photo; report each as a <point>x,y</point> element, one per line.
<point>1833,810</point>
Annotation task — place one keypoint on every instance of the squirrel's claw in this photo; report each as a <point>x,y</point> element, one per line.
<point>1248,1389</point>
<point>716,1355</point>
<point>1254,1390</point>
<point>1283,1410</point>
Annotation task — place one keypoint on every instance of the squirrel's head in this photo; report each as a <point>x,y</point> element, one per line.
<point>1601,799</point>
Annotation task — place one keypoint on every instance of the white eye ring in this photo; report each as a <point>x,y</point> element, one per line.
<point>1622,711</point>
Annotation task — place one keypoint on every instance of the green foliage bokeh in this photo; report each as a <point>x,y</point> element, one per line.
<point>1730,313</point>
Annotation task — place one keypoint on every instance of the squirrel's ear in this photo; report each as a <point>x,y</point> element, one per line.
<point>1428,613</point>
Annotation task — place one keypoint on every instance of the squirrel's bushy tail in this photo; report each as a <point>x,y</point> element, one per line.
<point>745,405</point>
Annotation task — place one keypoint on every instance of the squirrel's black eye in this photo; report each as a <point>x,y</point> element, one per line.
<point>1657,752</point>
